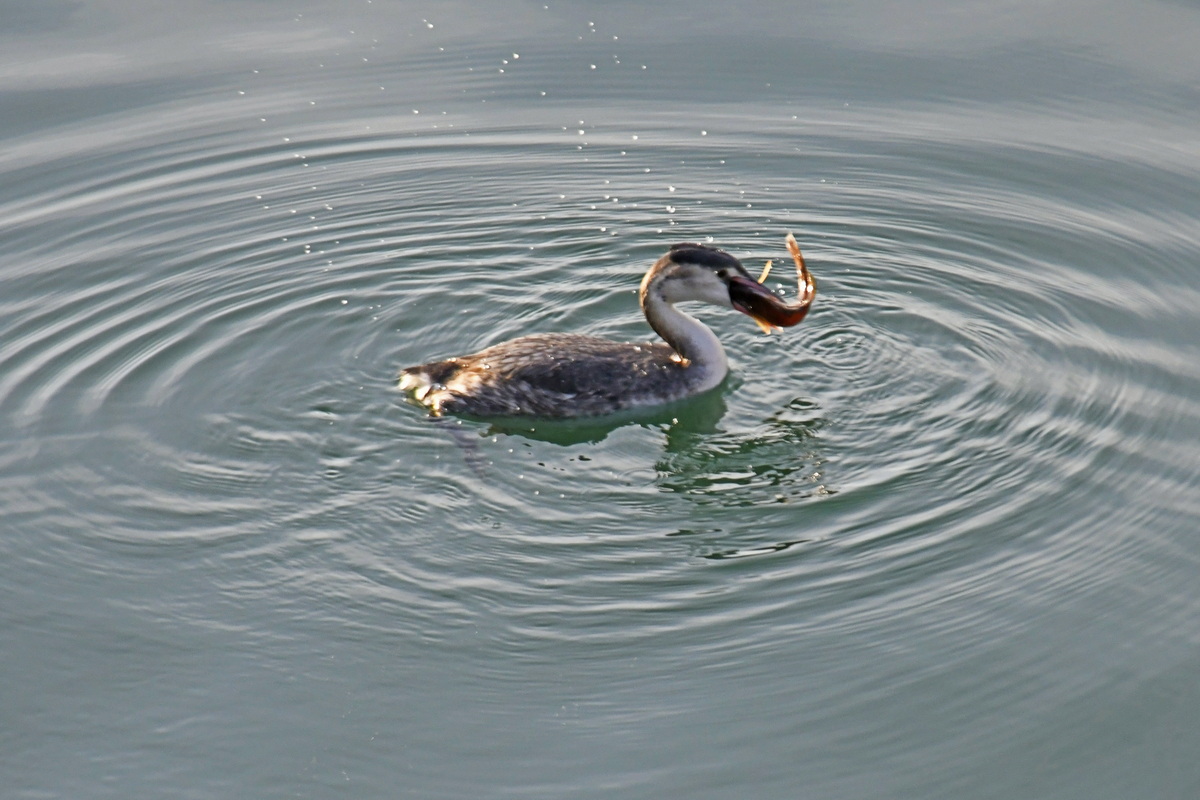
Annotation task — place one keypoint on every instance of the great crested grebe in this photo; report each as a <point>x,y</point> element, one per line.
<point>561,375</point>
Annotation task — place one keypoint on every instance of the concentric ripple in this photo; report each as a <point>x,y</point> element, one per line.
<point>204,314</point>
<point>977,359</point>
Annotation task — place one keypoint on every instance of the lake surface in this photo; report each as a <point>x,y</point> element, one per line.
<point>940,541</point>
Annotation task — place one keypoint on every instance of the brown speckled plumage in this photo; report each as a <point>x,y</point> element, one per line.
<point>553,375</point>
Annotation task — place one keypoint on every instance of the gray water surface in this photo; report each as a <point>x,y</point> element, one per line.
<point>939,541</point>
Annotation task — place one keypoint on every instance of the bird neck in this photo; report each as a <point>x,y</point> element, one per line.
<point>688,336</point>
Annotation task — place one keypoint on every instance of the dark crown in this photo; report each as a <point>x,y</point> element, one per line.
<point>711,257</point>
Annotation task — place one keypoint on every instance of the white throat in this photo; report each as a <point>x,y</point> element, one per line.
<point>696,344</point>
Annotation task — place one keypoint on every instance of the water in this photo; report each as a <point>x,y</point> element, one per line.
<point>938,541</point>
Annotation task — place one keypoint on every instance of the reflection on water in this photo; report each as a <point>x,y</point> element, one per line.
<point>679,420</point>
<point>779,461</point>
<point>956,507</point>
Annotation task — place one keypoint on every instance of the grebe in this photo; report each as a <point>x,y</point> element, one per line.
<point>561,375</point>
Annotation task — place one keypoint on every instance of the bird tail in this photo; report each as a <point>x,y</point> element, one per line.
<point>423,379</point>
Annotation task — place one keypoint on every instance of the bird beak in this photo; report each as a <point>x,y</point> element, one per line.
<point>764,306</point>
